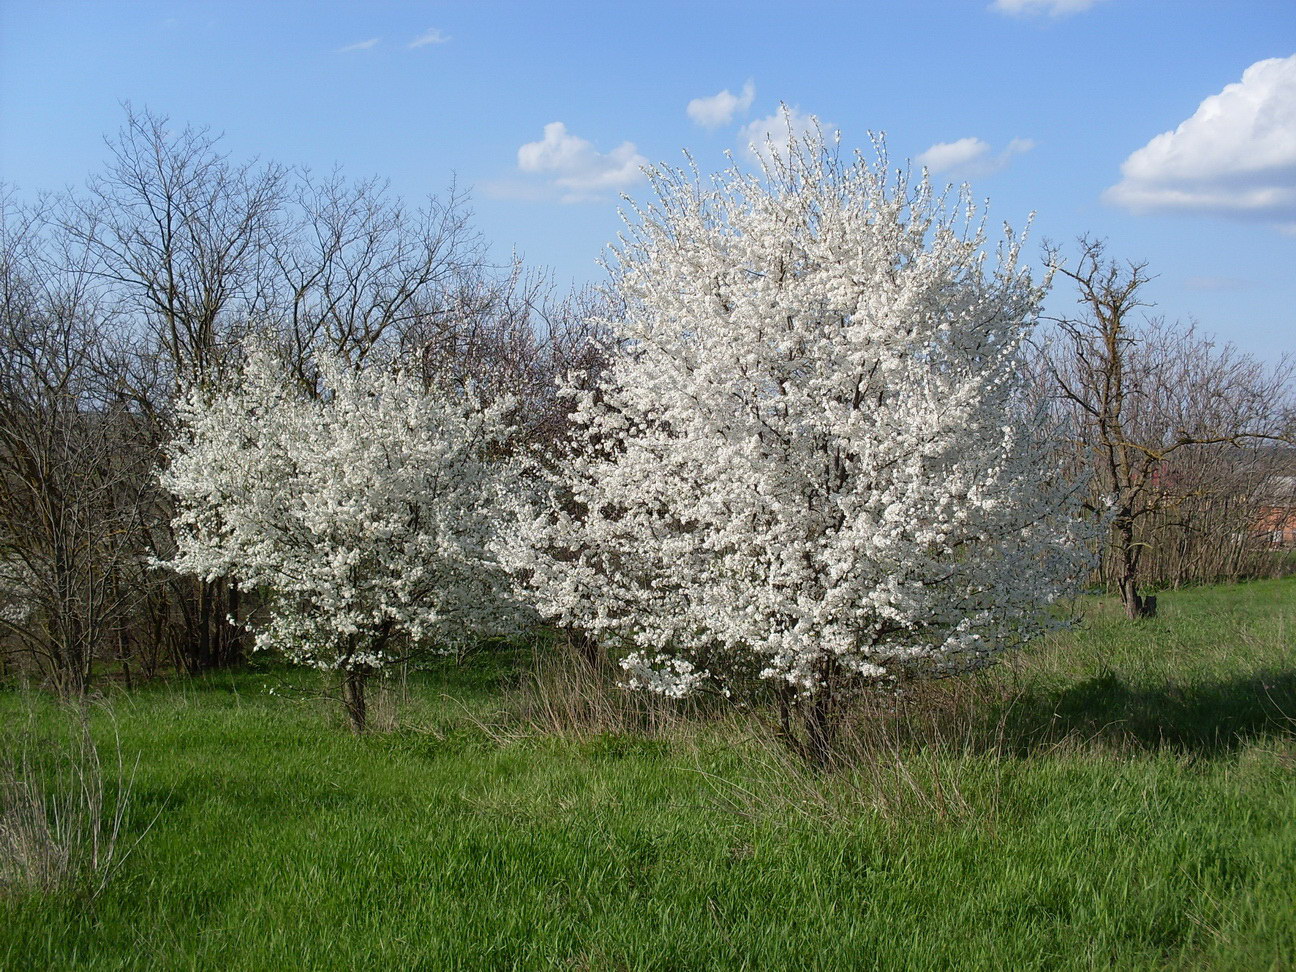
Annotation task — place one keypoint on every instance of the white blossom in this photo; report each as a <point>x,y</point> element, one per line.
<point>365,516</point>
<point>808,458</point>
<point>16,592</point>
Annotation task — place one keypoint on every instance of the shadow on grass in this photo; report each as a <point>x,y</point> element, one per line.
<point>1206,720</point>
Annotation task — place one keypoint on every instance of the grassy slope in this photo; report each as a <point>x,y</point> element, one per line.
<point>1138,814</point>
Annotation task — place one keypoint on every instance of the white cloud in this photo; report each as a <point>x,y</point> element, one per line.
<point>363,45</point>
<point>431,36</point>
<point>575,166</point>
<point>720,108</point>
<point>1054,8</point>
<point>1236,156</point>
<point>944,156</point>
<point>971,157</point>
<point>767,138</point>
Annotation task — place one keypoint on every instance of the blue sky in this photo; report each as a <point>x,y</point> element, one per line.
<point>545,109</point>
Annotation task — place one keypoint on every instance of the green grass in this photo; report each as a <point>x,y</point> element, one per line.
<point>1121,796</point>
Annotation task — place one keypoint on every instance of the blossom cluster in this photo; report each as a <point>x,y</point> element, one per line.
<point>364,514</point>
<point>810,456</point>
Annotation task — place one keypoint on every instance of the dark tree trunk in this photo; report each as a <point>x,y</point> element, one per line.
<point>1136,606</point>
<point>232,642</point>
<point>211,640</point>
<point>786,735</point>
<point>819,727</point>
<point>202,655</point>
<point>585,646</point>
<point>353,696</point>
<point>816,739</point>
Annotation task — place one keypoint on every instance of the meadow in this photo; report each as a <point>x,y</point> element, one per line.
<point>1119,795</point>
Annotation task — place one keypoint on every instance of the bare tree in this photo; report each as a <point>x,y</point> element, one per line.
<point>179,235</point>
<point>354,267</point>
<point>1145,401</point>
<point>73,476</point>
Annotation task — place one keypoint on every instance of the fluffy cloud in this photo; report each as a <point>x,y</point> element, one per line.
<point>720,108</point>
<point>971,157</point>
<point>575,166</point>
<point>767,138</point>
<point>1054,8</point>
<point>430,36</point>
<point>1235,156</point>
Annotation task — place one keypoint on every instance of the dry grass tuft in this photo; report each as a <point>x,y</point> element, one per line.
<point>566,694</point>
<point>63,809</point>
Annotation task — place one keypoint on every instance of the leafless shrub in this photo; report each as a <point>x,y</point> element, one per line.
<point>74,476</point>
<point>63,810</point>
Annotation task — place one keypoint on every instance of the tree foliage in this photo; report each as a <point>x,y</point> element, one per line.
<point>808,463</point>
<point>364,516</point>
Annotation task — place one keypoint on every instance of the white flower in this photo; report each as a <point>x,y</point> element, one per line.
<point>807,458</point>
<point>365,515</point>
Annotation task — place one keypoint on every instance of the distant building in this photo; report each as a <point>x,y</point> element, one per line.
<point>1275,523</point>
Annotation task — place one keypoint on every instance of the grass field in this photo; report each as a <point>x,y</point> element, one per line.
<point>1121,796</point>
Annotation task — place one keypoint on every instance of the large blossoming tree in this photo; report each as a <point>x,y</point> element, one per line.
<point>365,515</point>
<point>809,463</point>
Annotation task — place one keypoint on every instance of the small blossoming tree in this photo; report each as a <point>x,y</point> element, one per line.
<point>808,464</point>
<point>364,516</point>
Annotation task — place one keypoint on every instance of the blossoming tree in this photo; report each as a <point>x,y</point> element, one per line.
<point>808,463</point>
<point>364,516</point>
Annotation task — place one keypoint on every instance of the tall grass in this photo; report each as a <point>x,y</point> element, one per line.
<point>565,693</point>
<point>1119,796</point>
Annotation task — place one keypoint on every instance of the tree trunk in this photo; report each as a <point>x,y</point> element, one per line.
<point>820,730</point>
<point>202,655</point>
<point>353,696</point>
<point>1127,554</point>
<point>815,742</point>
<point>785,733</point>
<point>1136,606</point>
<point>585,646</point>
